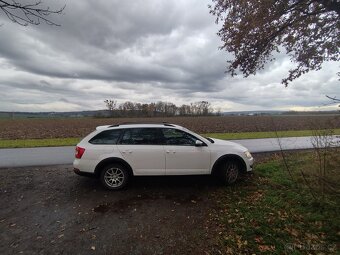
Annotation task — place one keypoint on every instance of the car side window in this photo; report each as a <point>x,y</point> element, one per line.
<point>178,137</point>
<point>142,136</point>
<point>107,137</point>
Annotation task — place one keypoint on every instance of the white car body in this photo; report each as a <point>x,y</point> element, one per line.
<point>159,159</point>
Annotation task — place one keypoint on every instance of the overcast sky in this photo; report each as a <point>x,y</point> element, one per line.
<point>141,51</point>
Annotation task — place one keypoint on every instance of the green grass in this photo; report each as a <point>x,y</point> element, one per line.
<point>271,214</point>
<point>254,135</point>
<point>22,143</point>
<point>38,142</point>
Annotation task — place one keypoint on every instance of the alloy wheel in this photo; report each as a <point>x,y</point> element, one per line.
<point>231,172</point>
<point>114,177</point>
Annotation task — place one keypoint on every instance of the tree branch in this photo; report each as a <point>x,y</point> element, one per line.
<point>32,13</point>
<point>331,5</point>
<point>333,98</point>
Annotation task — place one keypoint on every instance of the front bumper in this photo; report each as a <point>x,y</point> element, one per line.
<point>250,164</point>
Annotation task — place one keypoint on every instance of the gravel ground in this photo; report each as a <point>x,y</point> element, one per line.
<point>50,210</point>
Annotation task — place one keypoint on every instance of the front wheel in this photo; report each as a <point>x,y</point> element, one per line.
<point>230,172</point>
<point>114,177</point>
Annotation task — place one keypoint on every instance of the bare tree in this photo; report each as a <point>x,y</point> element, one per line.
<point>32,12</point>
<point>110,104</point>
<point>184,110</point>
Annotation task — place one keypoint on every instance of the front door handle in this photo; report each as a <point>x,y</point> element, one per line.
<point>168,151</point>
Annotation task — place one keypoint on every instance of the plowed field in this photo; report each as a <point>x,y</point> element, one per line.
<point>79,127</point>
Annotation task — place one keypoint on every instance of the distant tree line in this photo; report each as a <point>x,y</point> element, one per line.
<point>158,109</point>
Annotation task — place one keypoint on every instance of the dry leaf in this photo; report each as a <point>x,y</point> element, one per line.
<point>263,248</point>
<point>258,239</point>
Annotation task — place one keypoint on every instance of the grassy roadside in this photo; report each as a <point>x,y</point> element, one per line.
<point>271,214</point>
<point>256,135</point>
<point>51,142</point>
<point>28,143</point>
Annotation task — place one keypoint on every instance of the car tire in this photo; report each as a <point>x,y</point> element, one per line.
<point>114,177</point>
<point>230,172</point>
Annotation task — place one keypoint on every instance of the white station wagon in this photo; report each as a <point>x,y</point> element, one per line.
<point>116,153</point>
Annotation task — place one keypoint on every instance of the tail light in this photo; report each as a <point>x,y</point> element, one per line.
<point>79,152</point>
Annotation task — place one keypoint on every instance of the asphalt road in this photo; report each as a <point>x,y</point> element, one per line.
<point>64,155</point>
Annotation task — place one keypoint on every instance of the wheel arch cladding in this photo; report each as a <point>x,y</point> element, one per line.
<point>225,158</point>
<point>109,161</point>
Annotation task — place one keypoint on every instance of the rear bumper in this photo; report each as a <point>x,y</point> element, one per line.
<point>78,172</point>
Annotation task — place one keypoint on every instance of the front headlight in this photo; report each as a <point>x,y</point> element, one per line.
<point>248,155</point>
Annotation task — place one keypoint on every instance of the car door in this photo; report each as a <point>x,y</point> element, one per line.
<point>143,149</point>
<point>182,157</point>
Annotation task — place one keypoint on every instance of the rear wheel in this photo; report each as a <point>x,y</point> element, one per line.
<point>230,171</point>
<point>114,176</point>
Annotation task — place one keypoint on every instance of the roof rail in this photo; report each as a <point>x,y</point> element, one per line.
<point>168,124</point>
<point>136,123</point>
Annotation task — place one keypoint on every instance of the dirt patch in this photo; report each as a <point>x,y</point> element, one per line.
<point>50,210</point>
<point>79,127</point>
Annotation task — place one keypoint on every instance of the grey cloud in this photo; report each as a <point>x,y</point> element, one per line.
<point>141,51</point>
<point>84,41</point>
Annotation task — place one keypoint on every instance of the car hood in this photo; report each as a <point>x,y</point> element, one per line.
<point>221,143</point>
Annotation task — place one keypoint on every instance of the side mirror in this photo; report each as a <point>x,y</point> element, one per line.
<point>199,143</point>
